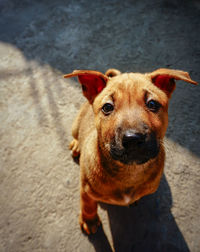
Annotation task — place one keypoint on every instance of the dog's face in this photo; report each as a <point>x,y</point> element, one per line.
<point>131,118</point>
<point>131,110</point>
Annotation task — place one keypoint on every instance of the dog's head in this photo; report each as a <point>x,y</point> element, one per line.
<point>131,110</point>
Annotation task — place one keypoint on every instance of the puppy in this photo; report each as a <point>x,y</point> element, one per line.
<point>118,134</point>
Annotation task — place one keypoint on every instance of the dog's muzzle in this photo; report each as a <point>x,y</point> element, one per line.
<point>134,147</point>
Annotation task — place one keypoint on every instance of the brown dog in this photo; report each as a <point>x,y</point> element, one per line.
<point>119,136</point>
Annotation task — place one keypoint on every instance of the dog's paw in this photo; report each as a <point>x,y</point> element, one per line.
<point>90,226</point>
<point>74,146</point>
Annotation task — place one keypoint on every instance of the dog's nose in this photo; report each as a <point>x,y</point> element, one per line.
<point>133,139</point>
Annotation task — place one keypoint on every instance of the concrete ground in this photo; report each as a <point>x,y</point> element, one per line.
<point>39,182</point>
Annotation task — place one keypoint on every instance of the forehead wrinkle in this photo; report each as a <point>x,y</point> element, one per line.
<point>131,89</point>
<point>127,89</point>
<point>150,93</point>
<point>129,86</point>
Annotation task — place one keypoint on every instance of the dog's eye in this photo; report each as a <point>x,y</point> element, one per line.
<point>153,105</point>
<point>107,108</point>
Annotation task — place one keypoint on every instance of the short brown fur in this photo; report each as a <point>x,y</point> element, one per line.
<point>104,179</point>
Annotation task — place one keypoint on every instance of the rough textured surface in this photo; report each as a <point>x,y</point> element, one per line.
<point>39,182</point>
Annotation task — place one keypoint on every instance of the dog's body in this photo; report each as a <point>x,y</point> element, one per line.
<point>119,136</point>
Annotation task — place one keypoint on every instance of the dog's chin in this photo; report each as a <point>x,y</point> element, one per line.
<point>131,160</point>
<point>131,156</point>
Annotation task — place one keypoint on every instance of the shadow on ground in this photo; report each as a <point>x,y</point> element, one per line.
<point>147,225</point>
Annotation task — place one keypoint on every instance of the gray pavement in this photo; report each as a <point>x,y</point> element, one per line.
<point>39,182</point>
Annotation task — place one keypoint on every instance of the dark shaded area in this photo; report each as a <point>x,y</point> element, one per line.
<point>147,225</point>
<point>100,241</point>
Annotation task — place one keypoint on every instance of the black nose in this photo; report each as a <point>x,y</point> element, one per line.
<point>132,139</point>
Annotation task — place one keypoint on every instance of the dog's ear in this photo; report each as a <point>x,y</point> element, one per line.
<point>165,79</point>
<point>92,82</point>
<point>112,72</point>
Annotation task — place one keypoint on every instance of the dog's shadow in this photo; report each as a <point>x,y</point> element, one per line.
<point>143,227</point>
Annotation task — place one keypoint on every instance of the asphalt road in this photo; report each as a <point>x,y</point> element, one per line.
<point>39,182</point>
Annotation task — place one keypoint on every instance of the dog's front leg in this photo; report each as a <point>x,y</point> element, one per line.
<point>89,219</point>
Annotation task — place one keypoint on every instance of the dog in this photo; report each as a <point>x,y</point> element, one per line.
<point>118,135</point>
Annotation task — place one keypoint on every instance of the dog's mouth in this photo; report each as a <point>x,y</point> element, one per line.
<point>138,149</point>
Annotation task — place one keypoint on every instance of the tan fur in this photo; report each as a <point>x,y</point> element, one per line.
<point>102,178</point>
